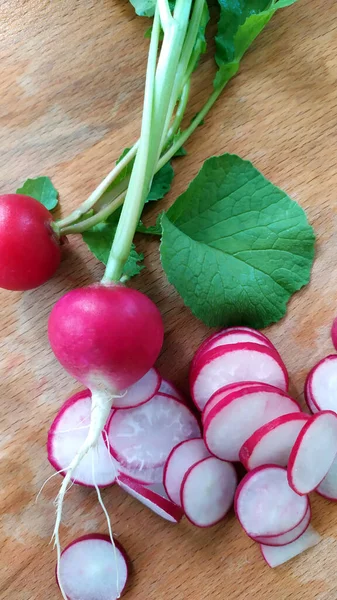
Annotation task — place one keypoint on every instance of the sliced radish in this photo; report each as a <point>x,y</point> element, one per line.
<point>235,418</point>
<point>321,385</point>
<point>290,536</point>
<point>90,567</point>
<point>67,434</point>
<point>273,442</point>
<point>168,388</point>
<point>225,391</point>
<point>266,505</point>
<point>313,453</point>
<point>143,437</point>
<point>233,364</point>
<point>207,491</point>
<point>140,392</point>
<point>144,476</point>
<point>275,557</point>
<point>181,458</point>
<point>158,503</point>
<point>328,486</point>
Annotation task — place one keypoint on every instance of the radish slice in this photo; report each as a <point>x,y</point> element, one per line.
<point>266,505</point>
<point>144,436</point>
<point>334,333</point>
<point>321,385</point>
<point>156,502</point>
<point>144,476</point>
<point>66,436</point>
<point>90,568</point>
<point>233,364</point>
<point>234,419</point>
<point>290,536</point>
<point>225,391</point>
<point>273,442</point>
<point>181,458</point>
<point>328,487</point>
<point>275,557</point>
<point>313,453</point>
<point>168,388</point>
<point>140,392</point>
<point>207,491</point>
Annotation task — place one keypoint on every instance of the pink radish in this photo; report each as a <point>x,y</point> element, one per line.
<point>225,391</point>
<point>321,385</point>
<point>275,557</point>
<point>236,417</point>
<point>91,567</point>
<point>313,453</point>
<point>181,458</point>
<point>144,436</point>
<point>168,388</point>
<point>232,364</point>
<point>273,442</point>
<point>328,486</point>
<point>290,536</point>
<point>266,505</point>
<point>207,491</point>
<point>157,503</point>
<point>334,333</point>
<point>140,392</point>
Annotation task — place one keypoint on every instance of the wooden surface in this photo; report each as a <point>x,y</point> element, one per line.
<point>72,76</point>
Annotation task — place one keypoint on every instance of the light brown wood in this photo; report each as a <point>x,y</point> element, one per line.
<point>72,76</point>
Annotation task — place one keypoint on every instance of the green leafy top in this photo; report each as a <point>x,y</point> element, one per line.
<point>42,190</point>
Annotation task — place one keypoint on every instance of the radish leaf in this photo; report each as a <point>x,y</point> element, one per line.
<point>42,189</point>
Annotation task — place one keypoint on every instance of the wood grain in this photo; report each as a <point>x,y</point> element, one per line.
<point>72,76</point>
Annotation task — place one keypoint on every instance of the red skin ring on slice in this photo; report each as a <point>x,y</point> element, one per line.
<point>308,391</point>
<point>226,389</point>
<point>159,379</point>
<point>272,540</point>
<point>168,460</point>
<point>165,505</point>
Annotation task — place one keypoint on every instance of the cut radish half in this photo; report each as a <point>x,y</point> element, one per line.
<point>140,392</point>
<point>67,434</point>
<point>275,557</point>
<point>168,388</point>
<point>181,458</point>
<point>143,437</point>
<point>266,505</point>
<point>313,453</point>
<point>233,364</point>
<point>328,487</point>
<point>236,417</point>
<point>90,568</point>
<point>290,536</point>
<point>225,391</point>
<point>154,501</point>
<point>207,491</point>
<point>321,385</point>
<point>273,442</point>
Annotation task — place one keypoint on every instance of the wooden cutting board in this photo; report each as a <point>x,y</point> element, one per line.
<point>72,76</point>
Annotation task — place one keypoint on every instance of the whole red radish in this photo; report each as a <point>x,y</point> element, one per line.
<point>29,248</point>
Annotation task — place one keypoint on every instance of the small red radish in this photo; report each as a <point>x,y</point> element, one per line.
<point>321,385</point>
<point>233,364</point>
<point>162,506</point>
<point>313,453</point>
<point>273,442</point>
<point>181,458</point>
<point>290,536</point>
<point>91,567</point>
<point>223,392</point>
<point>275,557</point>
<point>328,486</point>
<point>207,491</point>
<point>29,248</point>
<point>266,505</point>
<point>235,418</point>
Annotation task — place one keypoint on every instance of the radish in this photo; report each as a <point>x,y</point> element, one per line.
<point>328,486</point>
<point>29,248</point>
<point>232,420</point>
<point>181,458</point>
<point>157,503</point>
<point>168,388</point>
<point>273,442</point>
<point>140,392</point>
<point>290,536</point>
<point>313,453</point>
<point>321,385</point>
<point>235,363</point>
<point>266,505</point>
<point>144,476</point>
<point>144,436</point>
<point>207,491</point>
<point>275,557</point>
<point>223,392</point>
<point>91,567</point>
<point>334,333</point>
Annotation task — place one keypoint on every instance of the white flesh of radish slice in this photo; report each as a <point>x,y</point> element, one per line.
<point>158,503</point>
<point>166,387</point>
<point>313,453</point>
<point>266,505</point>
<point>276,556</point>
<point>140,392</point>
<point>328,487</point>
<point>225,391</point>
<point>144,436</point>
<point>273,442</point>
<point>235,363</point>
<point>68,433</point>
<point>90,567</point>
<point>179,461</point>
<point>207,491</point>
<point>143,476</point>
<point>321,385</point>
<point>290,536</point>
<point>233,420</point>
